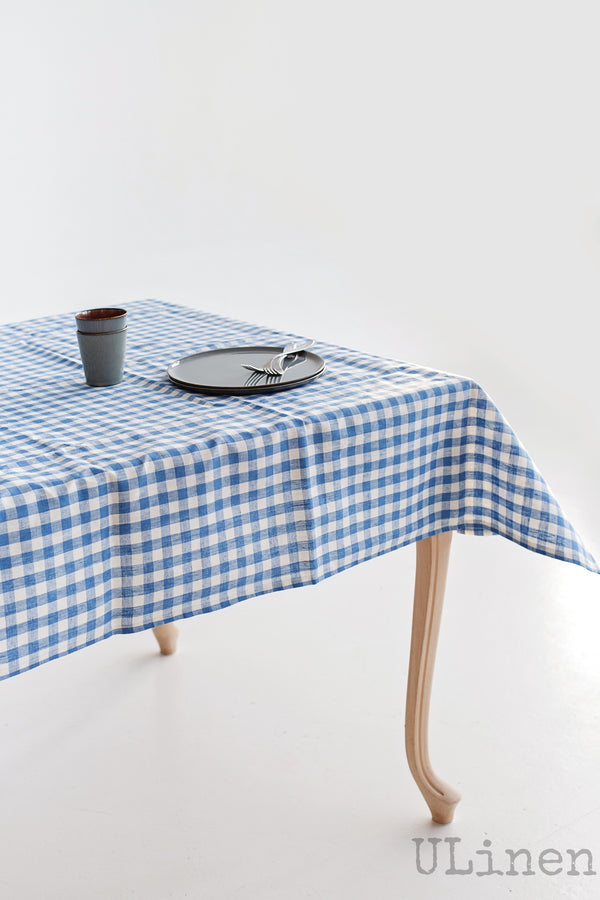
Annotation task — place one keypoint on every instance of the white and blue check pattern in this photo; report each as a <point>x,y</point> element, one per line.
<point>128,506</point>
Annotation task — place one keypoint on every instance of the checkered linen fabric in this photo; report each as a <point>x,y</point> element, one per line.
<point>128,506</point>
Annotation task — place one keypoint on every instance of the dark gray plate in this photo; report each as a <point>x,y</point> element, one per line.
<point>221,371</point>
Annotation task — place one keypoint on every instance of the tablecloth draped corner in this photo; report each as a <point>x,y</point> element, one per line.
<point>125,507</point>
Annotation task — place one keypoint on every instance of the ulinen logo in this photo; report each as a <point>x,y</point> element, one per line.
<point>489,862</point>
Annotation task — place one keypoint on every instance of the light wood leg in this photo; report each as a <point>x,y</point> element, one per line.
<point>430,582</point>
<point>166,635</point>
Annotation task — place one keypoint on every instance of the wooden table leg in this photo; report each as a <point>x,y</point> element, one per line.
<point>166,635</point>
<point>430,582</point>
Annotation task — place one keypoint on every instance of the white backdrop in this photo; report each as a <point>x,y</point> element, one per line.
<point>417,179</point>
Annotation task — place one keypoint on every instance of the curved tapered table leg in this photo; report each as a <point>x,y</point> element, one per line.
<point>430,582</point>
<point>166,635</point>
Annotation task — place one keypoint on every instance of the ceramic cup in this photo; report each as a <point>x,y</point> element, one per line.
<point>101,334</point>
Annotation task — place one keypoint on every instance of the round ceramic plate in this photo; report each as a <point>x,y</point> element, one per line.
<point>221,371</point>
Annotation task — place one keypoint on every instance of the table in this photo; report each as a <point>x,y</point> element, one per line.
<point>130,507</point>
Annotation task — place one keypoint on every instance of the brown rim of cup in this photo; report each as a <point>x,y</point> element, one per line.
<point>102,333</point>
<point>103,313</point>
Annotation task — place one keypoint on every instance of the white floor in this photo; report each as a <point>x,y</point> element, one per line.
<point>265,759</point>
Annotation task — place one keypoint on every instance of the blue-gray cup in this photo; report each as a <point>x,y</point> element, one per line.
<point>101,334</point>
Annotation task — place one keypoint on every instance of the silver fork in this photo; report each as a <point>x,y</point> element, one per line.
<point>275,365</point>
<point>255,378</point>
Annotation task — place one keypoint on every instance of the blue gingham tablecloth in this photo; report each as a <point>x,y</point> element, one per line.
<point>128,506</point>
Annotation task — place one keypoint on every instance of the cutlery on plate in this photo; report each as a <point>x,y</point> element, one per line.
<point>275,365</point>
